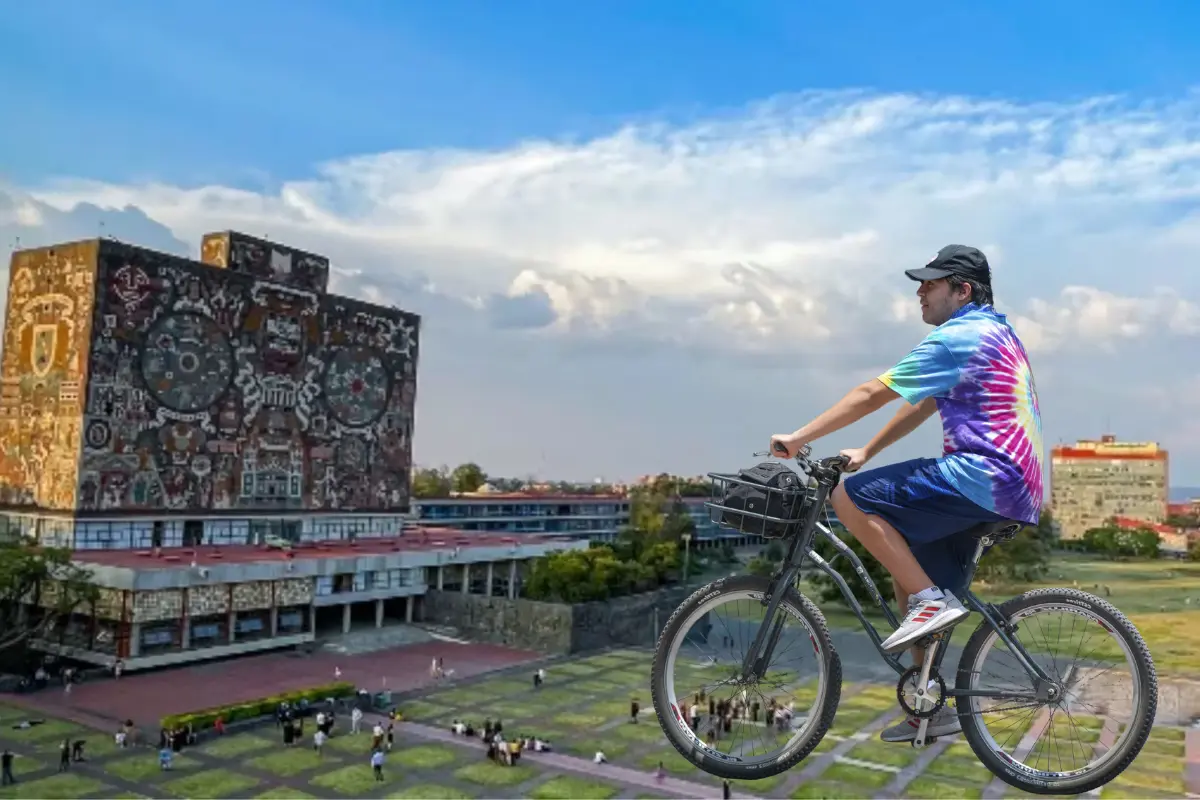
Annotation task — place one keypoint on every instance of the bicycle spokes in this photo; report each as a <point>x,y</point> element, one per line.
<point>1078,721</point>
<point>750,718</point>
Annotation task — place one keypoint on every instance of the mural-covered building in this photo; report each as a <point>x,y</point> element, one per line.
<point>149,400</point>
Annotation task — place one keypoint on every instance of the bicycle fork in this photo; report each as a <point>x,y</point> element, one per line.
<point>758,656</point>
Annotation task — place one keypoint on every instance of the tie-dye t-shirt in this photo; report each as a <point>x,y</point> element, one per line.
<point>977,369</point>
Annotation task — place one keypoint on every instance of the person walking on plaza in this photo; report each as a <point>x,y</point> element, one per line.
<point>377,765</point>
<point>6,773</point>
<point>356,720</point>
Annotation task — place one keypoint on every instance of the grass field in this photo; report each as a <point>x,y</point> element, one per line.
<point>1162,598</point>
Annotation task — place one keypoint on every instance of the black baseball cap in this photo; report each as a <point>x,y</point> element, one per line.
<point>967,263</point>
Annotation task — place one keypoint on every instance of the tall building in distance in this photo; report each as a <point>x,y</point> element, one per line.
<point>1091,482</point>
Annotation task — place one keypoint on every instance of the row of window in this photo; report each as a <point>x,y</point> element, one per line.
<point>364,581</point>
<point>521,510</point>
<point>214,631</point>
<point>145,534</point>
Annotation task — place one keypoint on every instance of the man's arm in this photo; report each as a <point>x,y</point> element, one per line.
<point>858,403</point>
<point>907,420</point>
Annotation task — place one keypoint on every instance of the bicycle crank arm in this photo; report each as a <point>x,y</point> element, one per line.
<point>919,742</point>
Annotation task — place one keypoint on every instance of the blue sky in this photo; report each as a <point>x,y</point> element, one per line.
<point>249,92</point>
<point>689,198</point>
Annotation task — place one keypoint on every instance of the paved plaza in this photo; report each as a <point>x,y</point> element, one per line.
<point>583,706</point>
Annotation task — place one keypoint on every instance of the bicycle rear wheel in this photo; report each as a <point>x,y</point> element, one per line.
<point>731,728</point>
<point>1094,729</point>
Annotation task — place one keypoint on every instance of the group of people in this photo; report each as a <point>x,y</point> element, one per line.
<point>69,752</point>
<point>499,749</point>
<point>722,713</point>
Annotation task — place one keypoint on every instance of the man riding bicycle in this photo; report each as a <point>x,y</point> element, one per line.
<point>913,516</point>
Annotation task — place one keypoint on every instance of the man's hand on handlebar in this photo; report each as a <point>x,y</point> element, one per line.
<point>855,458</point>
<point>785,445</point>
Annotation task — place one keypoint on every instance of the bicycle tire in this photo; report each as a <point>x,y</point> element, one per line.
<point>830,693</point>
<point>1120,625</point>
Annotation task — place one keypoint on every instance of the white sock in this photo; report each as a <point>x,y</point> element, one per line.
<point>932,593</point>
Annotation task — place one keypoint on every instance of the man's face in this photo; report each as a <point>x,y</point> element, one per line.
<point>939,301</point>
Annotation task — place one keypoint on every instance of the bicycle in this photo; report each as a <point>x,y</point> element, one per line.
<point>1050,702</point>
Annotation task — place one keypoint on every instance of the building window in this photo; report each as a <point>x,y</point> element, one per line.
<point>292,621</point>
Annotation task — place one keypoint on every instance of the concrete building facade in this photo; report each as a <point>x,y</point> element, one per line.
<point>178,605</point>
<point>1091,482</point>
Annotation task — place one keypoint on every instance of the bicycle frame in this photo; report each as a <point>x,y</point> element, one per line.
<point>801,547</point>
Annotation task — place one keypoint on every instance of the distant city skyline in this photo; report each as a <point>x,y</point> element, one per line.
<point>643,239</point>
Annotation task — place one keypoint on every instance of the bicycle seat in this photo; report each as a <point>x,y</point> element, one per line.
<point>997,531</point>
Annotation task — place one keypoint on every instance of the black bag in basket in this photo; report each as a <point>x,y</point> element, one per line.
<point>754,496</point>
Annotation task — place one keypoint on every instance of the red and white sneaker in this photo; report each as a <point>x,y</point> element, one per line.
<point>925,617</point>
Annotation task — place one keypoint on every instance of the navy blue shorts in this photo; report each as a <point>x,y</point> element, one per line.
<point>927,511</point>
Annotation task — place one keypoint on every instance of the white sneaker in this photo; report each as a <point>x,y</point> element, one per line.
<point>925,617</point>
<point>943,723</point>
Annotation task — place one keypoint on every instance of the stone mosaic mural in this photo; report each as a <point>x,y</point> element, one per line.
<point>242,388</point>
<point>161,605</point>
<point>293,592</point>
<point>267,261</point>
<point>50,297</point>
<point>204,601</point>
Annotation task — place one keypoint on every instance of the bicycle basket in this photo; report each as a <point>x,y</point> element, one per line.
<point>767,500</point>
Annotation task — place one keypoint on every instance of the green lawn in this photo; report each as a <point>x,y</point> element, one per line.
<point>354,781</point>
<point>286,762</point>
<point>569,788</point>
<point>584,707</point>
<point>67,786</point>
<point>211,784</point>
<point>487,773</point>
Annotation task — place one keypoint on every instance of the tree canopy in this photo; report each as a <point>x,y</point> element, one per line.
<point>645,555</point>
<point>44,577</point>
<point>1113,543</point>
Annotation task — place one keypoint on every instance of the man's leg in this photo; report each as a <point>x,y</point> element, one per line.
<point>884,542</point>
<point>886,509</point>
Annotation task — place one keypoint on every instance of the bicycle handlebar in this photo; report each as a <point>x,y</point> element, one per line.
<point>834,465</point>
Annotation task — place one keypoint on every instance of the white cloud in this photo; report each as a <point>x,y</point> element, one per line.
<point>773,237</point>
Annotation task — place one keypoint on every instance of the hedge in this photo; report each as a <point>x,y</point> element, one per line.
<point>253,709</point>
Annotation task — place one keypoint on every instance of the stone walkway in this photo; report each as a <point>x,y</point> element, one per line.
<point>582,766</point>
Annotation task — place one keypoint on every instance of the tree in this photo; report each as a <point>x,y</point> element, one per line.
<point>1143,543</point>
<point>44,578</point>
<point>1047,529</point>
<point>467,478</point>
<point>1185,521</point>
<point>761,566</point>
<point>1023,559</point>
<point>1114,543</point>
<point>677,522</point>
<point>828,591</point>
<point>428,483</point>
<point>580,576</point>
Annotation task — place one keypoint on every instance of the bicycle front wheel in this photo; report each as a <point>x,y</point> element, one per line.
<point>1105,685</point>
<point>736,729</point>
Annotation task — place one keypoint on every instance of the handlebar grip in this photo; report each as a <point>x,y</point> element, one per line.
<point>779,448</point>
